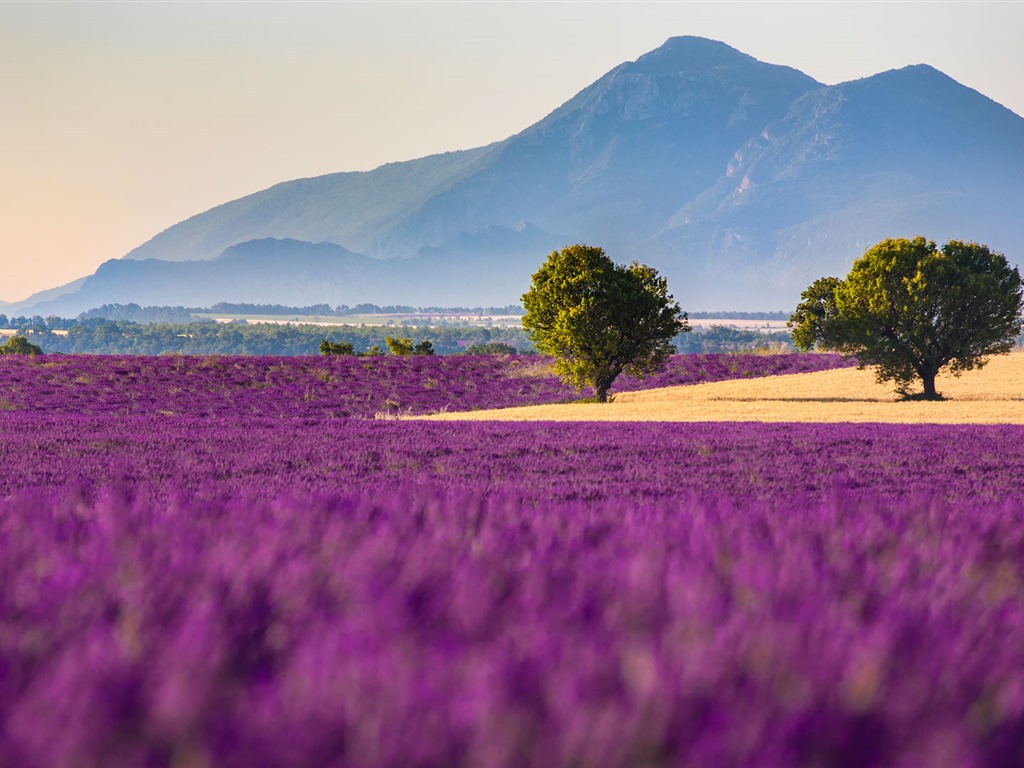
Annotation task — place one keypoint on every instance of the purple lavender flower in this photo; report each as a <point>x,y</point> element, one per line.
<point>203,562</point>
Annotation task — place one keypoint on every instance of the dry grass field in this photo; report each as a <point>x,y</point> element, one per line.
<point>992,395</point>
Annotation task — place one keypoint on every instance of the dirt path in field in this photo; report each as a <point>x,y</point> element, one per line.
<point>993,395</point>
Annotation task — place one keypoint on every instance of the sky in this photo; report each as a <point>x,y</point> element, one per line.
<point>120,119</point>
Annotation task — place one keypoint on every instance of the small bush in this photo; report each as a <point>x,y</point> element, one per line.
<point>336,348</point>
<point>491,348</point>
<point>19,345</point>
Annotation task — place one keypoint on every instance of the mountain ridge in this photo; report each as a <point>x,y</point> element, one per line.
<point>803,170</point>
<point>741,181</point>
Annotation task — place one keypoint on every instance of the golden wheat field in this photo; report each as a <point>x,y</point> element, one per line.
<point>991,395</point>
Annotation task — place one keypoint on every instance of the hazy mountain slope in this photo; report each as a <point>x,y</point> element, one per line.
<point>612,163</point>
<point>905,152</point>
<point>741,181</point>
<point>41,299</point>
<point>350,209</point>
<point>260,271</point>
<point>607,166</point>
<point>293,272</point>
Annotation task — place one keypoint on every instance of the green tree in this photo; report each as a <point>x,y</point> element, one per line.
<point>400,347</point>
<point>600,319</point>
<point>19,345</point>
<point>491,348</point>
<point>336,348</point>
<point>815,314</point>
<point>912,309</point>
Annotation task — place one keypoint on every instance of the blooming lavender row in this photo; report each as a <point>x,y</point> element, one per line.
<point>330,387</point>
<point>421,627</point>
<point>221,458</point>
<point>268,586</point>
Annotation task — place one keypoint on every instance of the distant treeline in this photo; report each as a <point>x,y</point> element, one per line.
<point>101,336</point>
<point>167,330</point>
<point>124,337</point>
<point>738,315</point>
<point>139,314</point>
<point>189,314</point>
<point>180,315</point>
<point>359,309</point>
<point>720,338</point>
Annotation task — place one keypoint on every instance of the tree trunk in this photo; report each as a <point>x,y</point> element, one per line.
<point>929,387</point>
<point>602,385</point>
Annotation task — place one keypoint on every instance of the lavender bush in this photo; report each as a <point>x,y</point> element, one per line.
<point>424,628</point>
<point>198,566</point>
<point>219,458</point>
<point>330,387</point>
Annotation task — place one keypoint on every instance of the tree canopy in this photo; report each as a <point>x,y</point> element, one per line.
<point>404,346</point>
<point>336,348</point>
<point>19,345</point>
<point>600,319</point>
<point>912,309</point>
<point>490,348</point>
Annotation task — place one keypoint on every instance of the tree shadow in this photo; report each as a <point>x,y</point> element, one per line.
<point>803,400</point>
<point>921,397</point>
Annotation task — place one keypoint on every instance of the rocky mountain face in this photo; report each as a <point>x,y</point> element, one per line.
<point>902,153</point>
<point>741,181</point>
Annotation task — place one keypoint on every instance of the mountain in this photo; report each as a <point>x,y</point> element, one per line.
<point>741,181</point>
<point>61,295</point>
<point>283,271</point>
<point>905,152</point>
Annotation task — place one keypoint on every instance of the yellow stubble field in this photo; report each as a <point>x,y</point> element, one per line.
<point>991,395</point>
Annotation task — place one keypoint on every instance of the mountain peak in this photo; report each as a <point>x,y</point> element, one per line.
<point>689,53</point>
<point>743,180</point>
<point>912,75</point>
<point>930,89</point>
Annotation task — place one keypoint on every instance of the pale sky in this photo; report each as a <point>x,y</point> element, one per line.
<point>118,120</point>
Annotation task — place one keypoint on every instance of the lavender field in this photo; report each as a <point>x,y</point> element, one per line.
<point>194,578</point>
<point>332,387</point>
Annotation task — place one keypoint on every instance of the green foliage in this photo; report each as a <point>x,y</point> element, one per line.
<point>721,338</point>
<point>123,337</point>
<point>912,309</point>
<point>491,348</point>
<point>816,314</point>
<point>399,347</point>
<point>336,348</point>
<point>137,314</point>
<point>19,345</point>
<point>600,319</point>
<point>403,347</point>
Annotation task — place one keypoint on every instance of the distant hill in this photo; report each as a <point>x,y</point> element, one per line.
<point>741,181</point>
<point>902,153</point>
